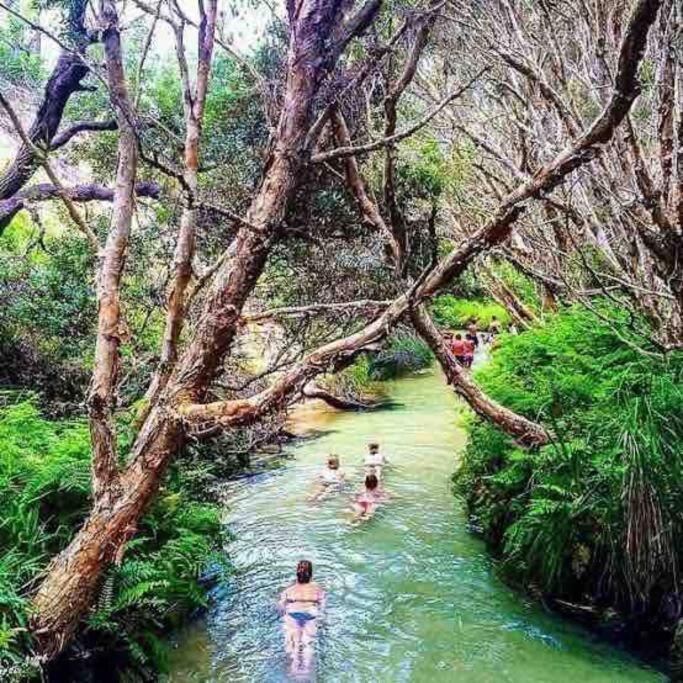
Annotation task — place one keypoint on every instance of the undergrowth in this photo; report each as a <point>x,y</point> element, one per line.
<point>596,516</point>
<point>449,311</point>
<point>44,496</point>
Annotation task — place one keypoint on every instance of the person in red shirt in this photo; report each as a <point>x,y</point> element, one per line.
<point>459,349</point>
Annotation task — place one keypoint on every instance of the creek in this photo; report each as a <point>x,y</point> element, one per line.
<point>413,596</point>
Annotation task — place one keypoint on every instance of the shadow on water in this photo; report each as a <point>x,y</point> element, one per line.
<point>413,595</point>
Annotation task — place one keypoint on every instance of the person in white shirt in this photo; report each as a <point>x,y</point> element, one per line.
<point>332,478</point>
<point>374,461</point>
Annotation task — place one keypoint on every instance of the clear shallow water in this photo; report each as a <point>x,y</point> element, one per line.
<point>412,595</point>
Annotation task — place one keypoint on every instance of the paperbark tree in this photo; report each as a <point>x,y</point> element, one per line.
<point>74,575</point>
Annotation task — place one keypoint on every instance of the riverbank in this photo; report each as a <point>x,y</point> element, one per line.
<point>413,595</point>
<point>589,524</point>
<point>150,590</point>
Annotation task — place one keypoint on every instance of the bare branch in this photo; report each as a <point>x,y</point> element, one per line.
<point>76,193</point>
<point>40,155</point>
<point>342,152</point>
<point>62,138</point>
<point>364,305</point>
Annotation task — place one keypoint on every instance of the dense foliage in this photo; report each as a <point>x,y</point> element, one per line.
<point>405,353</point>
<point>452,312</point>
<point>44,495</point>
<point>595,515</point>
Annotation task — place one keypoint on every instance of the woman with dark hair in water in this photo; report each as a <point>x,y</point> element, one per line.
<point>365,503</point>
<point>301,605</point>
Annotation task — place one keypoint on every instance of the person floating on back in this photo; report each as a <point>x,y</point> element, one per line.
<point>301,605</point>
<point>374,461</point>
<point>331,479</point>
<point>366,502</point>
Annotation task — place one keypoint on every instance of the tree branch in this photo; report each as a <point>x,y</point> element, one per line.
<point>527,433</point>
<point>296,311</point>
<point>77,193</point>
<point>101,397</point>
<point>62,138</point>
<point>38,155</point>
<point>343,152</point>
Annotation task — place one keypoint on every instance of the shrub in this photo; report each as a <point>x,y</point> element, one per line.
<point>449,311</point>
<point>405,353</point>
<point>597,512</point>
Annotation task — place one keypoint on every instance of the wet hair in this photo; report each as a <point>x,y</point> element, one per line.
<point>333,462</point>
<point>373,446</point>
<point>371,482</point>
<point>458,336</point>
<point>304,571</point>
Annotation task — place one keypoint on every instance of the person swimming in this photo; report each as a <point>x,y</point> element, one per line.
<point>332,478</point>
<point>366,502</point>
<point>301,605</point>
<point>374,461</point>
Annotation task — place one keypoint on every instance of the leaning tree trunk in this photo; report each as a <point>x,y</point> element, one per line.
<point>74,575</point>
<point>526,432</point>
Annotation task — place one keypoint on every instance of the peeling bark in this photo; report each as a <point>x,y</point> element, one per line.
<point>182,260</point>
<point>101,398</point>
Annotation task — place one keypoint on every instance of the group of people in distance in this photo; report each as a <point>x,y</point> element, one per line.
<point>463,348</point>
<point>301,604</point>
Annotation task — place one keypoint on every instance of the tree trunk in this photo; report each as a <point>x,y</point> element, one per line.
<point>527,433</point>
<point>74,575</point>
<point>64,81</point>
<point>101,398</point>
<point>182,259</point>
<point>519,311</point>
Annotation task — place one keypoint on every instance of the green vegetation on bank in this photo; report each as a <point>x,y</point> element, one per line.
<point>44,496</point>
<point>405,353</point>
<point>594,517</point>
<point>452,312</point>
